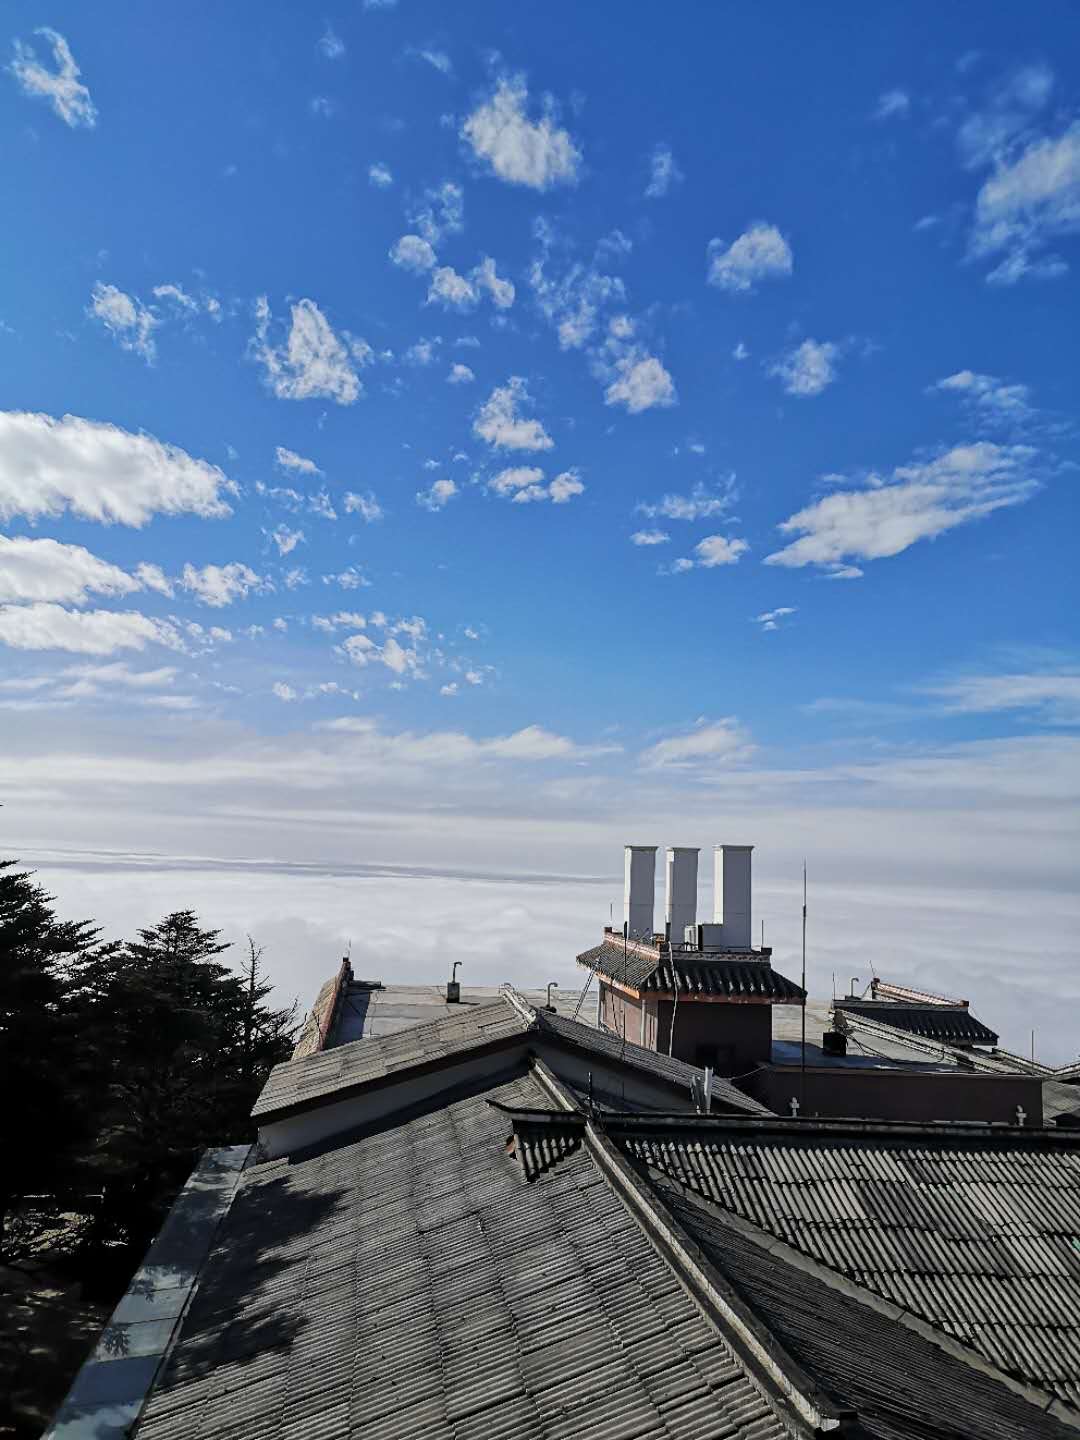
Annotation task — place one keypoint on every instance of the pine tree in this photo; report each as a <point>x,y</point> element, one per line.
<point>43,1117</point>
<point>187,1044</point>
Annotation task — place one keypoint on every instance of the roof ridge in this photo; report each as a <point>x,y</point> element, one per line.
<point>1034,1394</point>
<point>796,1397</point>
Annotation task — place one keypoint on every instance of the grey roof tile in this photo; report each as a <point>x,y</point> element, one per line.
<point>903,1386</point>
<point>973,1233</point>
<point>952,1024</point>
<point>412,1283</point>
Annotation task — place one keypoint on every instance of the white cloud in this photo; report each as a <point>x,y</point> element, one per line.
<point>564,487</point>
<point>708,746</point>
<point>988,396</point>
<point>770,619</point>
<point>501,291</point>
<point>460,375</point>
<point>808,369</point>
<point>717,550</point>
<point>365,505</point>
<point>322,105</point>
<point>519,150</point>
<point>315,363</point>
<point>438,496</point>
<point>700,504</point>
<point>294,578</point>
<point>88,681</point>
<point>892,104</point>
<point>290,460</point>
<point>380,175</point>
<point>759,253</point>
<point>45,626</point>
<point>129,322</point>
<point>572,302</point>
<point>918,501</point>
<point>219,585</point>
<point>413,253</point>
<point>500,425</point>
<point>451,290</point>
<point>61,87</point>
<point>1031,198</point>
<point>100,472</point>
<point>153,577</point>
<point>524,484</point>
<point>1053,696</point>
<point>349,579</point>
<point>331,45</point>
<point>518,478</point>
<point>649,537</point>
<point>438,60</point>
<point>440,212</point>
<point>423,351</point>
<point>663,173</point>
<point>641,384</point>
<point>186,304</point>
<point>451,689</point>
<point>283,691</point>
<point>286,540</point>
<point>49,570</point>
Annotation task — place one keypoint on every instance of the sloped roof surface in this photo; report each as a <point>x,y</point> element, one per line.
<point>726,973</point>
<point>343,1069</point>
<point>606,1046</point>
<point>346,1066</point>
<point>953,1024</point>
<point>738,978</point>
<point>903,1386</point>
<point>977,1235</point>
<point>413,1283</point>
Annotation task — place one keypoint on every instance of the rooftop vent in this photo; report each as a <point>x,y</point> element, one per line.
<point>639,891</point>
<point>731,895</point>
<point>680,909</point>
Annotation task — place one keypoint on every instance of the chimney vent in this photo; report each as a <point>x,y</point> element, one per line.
<point>731,894</point>
<point>639,891</point>
<point>680,908</point>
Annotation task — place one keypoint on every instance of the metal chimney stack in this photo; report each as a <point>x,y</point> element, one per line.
<point>639,891</point>
<point>731,895</point>
<point>680,908</point>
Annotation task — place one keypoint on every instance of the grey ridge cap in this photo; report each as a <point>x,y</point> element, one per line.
<point>114,1383</point>
<point>800,1403</point>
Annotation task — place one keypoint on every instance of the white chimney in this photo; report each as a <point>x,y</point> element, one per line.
<point>731,895</point>
<point>680,908</point>
<point>639,890</point>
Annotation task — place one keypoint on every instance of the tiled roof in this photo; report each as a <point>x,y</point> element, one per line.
<point>612,1048</point>
<point>903,1385</point>
<point>690,973</point>
<point>412,1283</point>
<point>299,1082</point>
<point>628,966</point>
<point>973,1232</point>
<point>734,977</point>
<point>951,1024</point>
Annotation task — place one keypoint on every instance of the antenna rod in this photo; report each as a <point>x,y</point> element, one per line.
<point>802,1067</point>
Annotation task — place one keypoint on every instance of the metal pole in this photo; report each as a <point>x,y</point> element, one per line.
<point>802,1066</point>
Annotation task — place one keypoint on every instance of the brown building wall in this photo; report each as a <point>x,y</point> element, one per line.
<point>731,1038</point>
<point>621,1014</point>
<point>899,1094</point>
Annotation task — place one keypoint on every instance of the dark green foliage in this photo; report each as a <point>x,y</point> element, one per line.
<point>42,1119</point>
<point>132,1058</point>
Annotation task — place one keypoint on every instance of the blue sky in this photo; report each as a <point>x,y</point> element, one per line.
<point>489,433</point>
